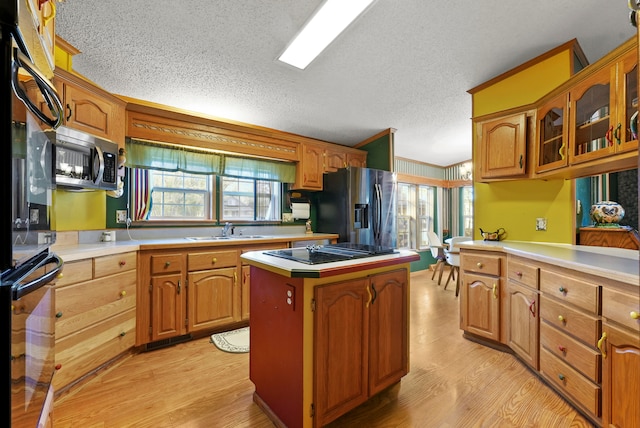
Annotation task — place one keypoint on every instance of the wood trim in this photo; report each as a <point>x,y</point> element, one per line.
<point>158,128</point>
<point>427,181</point>
<point>66,46</point>
<point>389,131</point>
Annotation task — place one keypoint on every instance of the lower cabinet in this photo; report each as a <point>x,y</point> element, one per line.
<point>368,356</point>
<point>95,315</point>
<point>620,347</point>
<point>580,331</point>
<point>481,289</point>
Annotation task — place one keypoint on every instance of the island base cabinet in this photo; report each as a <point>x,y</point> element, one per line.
<point>480,306</point>
<point>621,378</point>
<point>523,323</point>
<point>322,346</point>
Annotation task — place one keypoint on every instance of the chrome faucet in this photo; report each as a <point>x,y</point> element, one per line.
<point>225,230</point>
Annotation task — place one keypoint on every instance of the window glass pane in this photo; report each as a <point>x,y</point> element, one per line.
<point>426,214</point>
<point>467,210</point>
<point>179,195</point>
<point>406,206</point>
<point>248,199</point>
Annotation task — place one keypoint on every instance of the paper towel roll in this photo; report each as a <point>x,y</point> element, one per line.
<point>300,210</point>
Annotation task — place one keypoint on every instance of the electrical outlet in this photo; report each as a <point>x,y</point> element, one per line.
<point>541,223</point>
<point>121,216</point>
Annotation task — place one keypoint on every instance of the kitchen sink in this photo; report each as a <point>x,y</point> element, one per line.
<point>207,238</point>
<point>223,238</point>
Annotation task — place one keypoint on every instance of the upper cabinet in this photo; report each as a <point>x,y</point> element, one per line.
<point>89,108</point>
<point>317,159</point>
<point>602,115</point>
<point>585,126</point>
<point>551,149</point>
<point>503,146</point>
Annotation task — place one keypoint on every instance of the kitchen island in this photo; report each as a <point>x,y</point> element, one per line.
<point>326,337</point>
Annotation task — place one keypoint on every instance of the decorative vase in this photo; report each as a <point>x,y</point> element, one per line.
<point>606,213</point>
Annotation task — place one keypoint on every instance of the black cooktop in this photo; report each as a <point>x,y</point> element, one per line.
<point>317,254</point>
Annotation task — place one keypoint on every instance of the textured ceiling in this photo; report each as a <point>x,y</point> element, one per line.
<point>405,64</point>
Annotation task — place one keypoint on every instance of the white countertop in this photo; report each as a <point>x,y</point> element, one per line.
<point>615,263</point>
<point>74,252</point>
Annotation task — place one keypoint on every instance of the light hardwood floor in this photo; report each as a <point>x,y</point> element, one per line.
<point>453,382</point>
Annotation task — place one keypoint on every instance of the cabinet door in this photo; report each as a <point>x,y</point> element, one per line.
<point>592,114</point>
<point>553,134</point>
<point>480,305</point>
<point>246,286</point>
<point>341,375</point>
<point>388,343</point>
<point>620,378</point>
<point>357,160</point>
<point>334,160</point>
<point>503,148</point>
<point>310,168</point>
<point>213,298</point>
<point>523,322</point>
<point>626,130</point>
<point>167,307</point>
<point>85,111</point>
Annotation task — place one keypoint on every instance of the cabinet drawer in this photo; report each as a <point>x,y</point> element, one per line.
<point>618,307</point>
<point>81,353</point>
<point>72,272</point>
<point>522,272</point>
<point>166,263</point>
<point>212,260</point>
<point>81,305</point>
<point>572,290</point>
<point>585,327</point>
<point>109,265</point>
<point>480,263</point>
<point>570,350</point>
<point>568,380</point>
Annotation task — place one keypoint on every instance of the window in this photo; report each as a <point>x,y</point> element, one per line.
<point>180,195</point>
<point>247,199</point>
<point>467,210</point>
<point>426,214</point>
<point>416,215</point>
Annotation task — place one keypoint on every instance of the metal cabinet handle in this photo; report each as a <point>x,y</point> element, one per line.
<point>561,318</point>
<point>602,349</point>
<point>123,293</point>
<point>532,308</point>
<point>179,285</point>
<point>167,264</point>
<point>369,294</point>
<point>634,315</point>
<point>214,260</point>
<point>562,348</point>
<point>562,290</point>
<point>479,265</point>
<point>70,112</point>
<point>495,290</point>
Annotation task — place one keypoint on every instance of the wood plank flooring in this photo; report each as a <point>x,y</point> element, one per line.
<point>453,382</point>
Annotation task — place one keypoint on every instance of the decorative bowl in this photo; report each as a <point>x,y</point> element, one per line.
<point>606,213</point>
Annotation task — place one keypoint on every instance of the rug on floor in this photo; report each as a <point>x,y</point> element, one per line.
<point>236,341</point>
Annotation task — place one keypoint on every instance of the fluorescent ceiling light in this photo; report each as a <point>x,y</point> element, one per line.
<point>325,25</point>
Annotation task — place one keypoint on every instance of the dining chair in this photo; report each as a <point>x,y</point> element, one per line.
<point>437,252</point>
<point>452,258</point>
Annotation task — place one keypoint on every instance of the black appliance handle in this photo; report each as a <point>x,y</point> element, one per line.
<point>377,220</point>
<point>20,290</point>
<point>20,60</point>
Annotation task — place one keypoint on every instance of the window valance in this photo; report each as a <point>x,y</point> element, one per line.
<point>167,157</point>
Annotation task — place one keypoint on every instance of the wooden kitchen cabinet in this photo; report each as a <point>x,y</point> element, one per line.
<point>569,357</point>
<point>553,134</point>
<point>89,108</point>
<point>601,109</point>
<point>620,347</point>
<point>523,307</point>
<point>372,353</point>
<point>310,167</point>
<point>213,297</point>
<point>503,146</point>
<point>95,315</point>
<point>481,288</point>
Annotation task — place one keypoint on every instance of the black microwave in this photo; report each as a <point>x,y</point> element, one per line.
<point>84,161</point>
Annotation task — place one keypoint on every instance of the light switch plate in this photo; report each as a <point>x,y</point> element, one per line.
<point>541,223</point>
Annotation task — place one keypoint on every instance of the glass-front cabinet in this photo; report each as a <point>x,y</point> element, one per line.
<point>553,134</point>
<point>603,112</point>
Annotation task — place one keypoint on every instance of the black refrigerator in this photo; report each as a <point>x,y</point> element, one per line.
<point>27,266</point>
<point>359,204</point>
